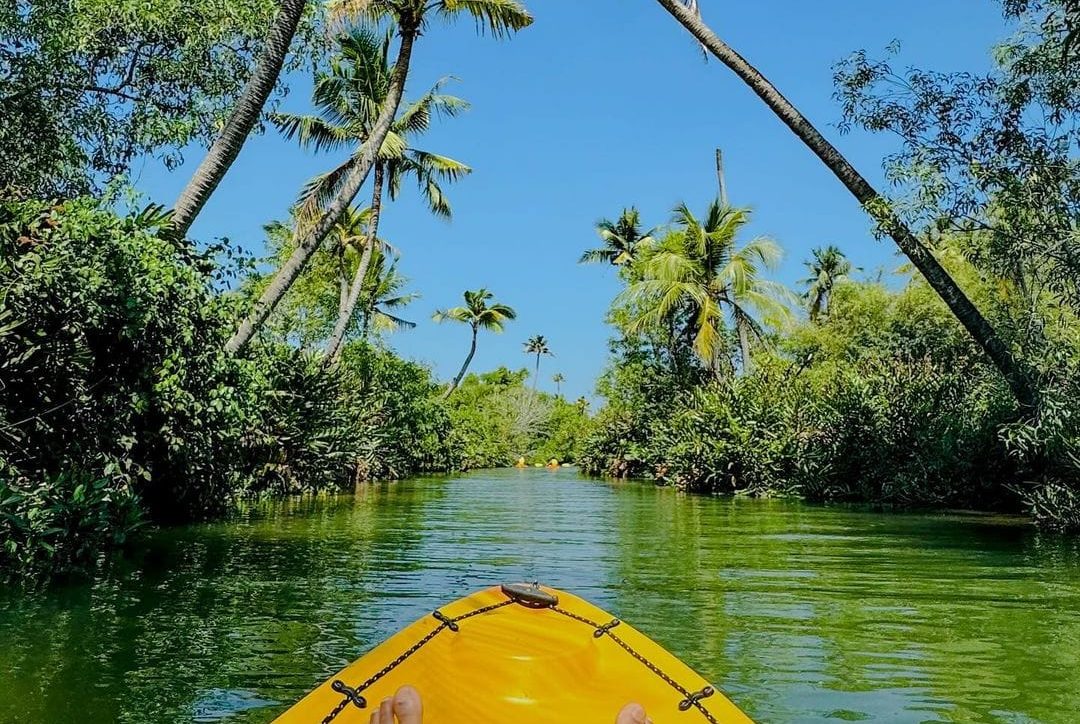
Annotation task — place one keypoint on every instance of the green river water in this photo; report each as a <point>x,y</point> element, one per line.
<point>798,613</point>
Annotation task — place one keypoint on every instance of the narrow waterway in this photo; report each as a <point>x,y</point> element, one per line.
<point>798,613</point>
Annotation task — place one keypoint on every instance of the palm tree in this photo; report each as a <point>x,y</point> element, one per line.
<point>558,379</point>
<point>1014,372</point>
<point>410,18</point>
<point>621,239</point>
<point>349,235</point>
<point>479,313</point>
<point>383,296</point>
<point>245,115</point>
<point>348,98</point>
<point>314,302</point>
<point>537,345</point>
<point>699,270</point>
<point>828,266</point>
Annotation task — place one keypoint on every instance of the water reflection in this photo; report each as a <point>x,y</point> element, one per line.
<point>799,613</point>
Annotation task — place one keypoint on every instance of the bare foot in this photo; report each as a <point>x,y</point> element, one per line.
<point>403,708</point>
<point>632,714</point>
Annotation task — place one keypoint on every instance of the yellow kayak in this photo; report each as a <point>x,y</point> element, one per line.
<point>519,653</point>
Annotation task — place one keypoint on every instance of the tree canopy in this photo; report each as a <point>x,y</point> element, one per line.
<point>89,87</point>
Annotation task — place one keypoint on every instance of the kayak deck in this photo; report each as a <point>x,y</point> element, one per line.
<point>523,654</point>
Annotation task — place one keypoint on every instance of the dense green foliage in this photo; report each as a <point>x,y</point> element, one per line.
<point>882,398</point>
<point>89,86</point>
<point>498,418</point>
<point>121,404</point>
<point>118,405</point>
<point>120,400</point>
<point>114,382</point>
<point>866,406</point>
<point>876,394</point>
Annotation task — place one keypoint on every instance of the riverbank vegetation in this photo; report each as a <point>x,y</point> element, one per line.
<point>127,394</point>
<point>121,406</point>
<point>146,377</point>
<point>953,382</point>
<point>881,398</point>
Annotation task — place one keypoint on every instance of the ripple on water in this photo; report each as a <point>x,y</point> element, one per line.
<point>799,613</point>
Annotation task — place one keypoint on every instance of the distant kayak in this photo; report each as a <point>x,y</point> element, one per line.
<point>524,654</point>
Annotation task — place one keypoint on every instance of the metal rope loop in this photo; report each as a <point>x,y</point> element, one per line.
<point>601,630</point>
<point>446,620</point>
<point>694,698</point>
<point>351,694</point>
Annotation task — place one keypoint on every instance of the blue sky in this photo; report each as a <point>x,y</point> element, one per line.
<point>600,105</point>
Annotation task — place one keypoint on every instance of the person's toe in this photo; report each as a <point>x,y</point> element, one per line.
<point>407,706</point>
<point>384,714</point>
<point>632,714</point>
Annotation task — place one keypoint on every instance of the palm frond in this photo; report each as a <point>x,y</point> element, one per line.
<point>312,132</point>
<point>597,256</point>
<point>499,17</point>
<point>771,300</point>
<point>417,115</point>
<point>341,13</point>
<point>442,167</point>
<point>454,314</point>
<point>393,147</point>
<point>504,311</point>
<point>708,338</point>
<point>319,191</point>
<point>382,321</point>
<point>668,265</point>
<point>436,200</point>
<point>399,301</point>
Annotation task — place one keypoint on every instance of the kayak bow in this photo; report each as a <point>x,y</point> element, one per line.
<point>519,653</point>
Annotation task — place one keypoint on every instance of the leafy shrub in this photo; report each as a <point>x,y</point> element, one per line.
<point>307,438</point>
<point>567,426</point>
<point>116,395</point>
<point>404,426</point>
<point>864,406</point>
<point>1054,505</point>
<point>61,524</point>
<point>497,419</point>
<point>112,360</point>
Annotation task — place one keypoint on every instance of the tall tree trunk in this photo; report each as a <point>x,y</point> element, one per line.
<point>720,177</point>
<point>464,367</point>
<point>245,115</point>
<point>536,375</point>
<point>343,284</point>
<point>311,240</point>
<point>744,347</point>
<point>337,339</point>
<point>970,317</point>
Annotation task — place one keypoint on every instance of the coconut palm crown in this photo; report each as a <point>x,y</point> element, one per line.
<point>621,240</point>
<point>479,312</point>
<point>828,266</point>
<point>537,345</point>
<point>700,269</point>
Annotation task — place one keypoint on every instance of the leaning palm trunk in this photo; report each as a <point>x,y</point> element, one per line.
<point>313,237</point>
<point>337,339</point>
<point>465,367</point>
<point>966,312</point>
<point>227,146</point>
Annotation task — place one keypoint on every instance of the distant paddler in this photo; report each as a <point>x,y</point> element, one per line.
<point>553,464</point>
<point>521,463</point>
